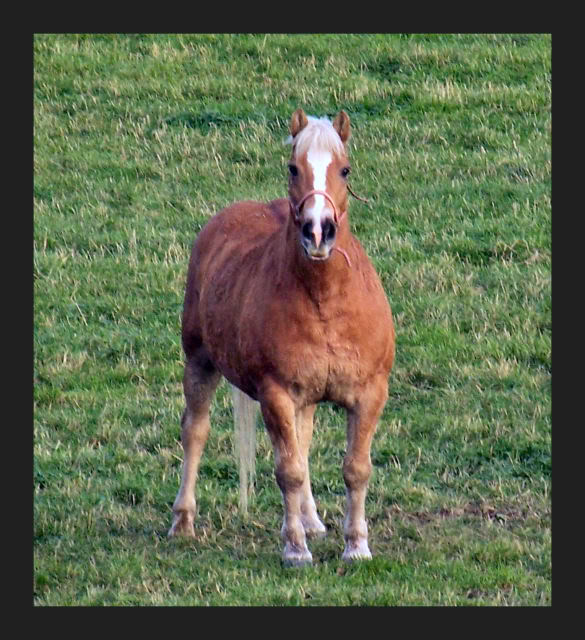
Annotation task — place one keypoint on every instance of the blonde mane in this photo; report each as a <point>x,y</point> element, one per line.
<point>318,135</point>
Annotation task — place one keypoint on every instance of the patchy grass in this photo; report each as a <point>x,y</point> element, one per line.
<point>138,141</point>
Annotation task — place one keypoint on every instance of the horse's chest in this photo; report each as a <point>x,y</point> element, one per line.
<point>315,356</point>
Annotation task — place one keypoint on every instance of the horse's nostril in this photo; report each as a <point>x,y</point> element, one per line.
<point>307,229</point>
<point>329,231</point>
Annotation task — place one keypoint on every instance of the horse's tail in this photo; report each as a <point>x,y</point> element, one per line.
<point>245,410</point>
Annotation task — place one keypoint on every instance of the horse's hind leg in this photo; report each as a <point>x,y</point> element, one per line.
<point>199,382</point>
<point>311,522</point>
<point>357,467</point>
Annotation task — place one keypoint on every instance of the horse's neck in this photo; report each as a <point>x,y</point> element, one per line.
<point>322,281</point>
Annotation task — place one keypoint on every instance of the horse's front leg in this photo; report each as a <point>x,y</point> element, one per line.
<point>310,519</point>
<point>357,467</point>
<point>278,411</point>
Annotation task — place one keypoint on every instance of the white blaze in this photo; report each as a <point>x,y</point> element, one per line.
<point>319,161</point>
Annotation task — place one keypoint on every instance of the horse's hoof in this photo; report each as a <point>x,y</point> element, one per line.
<point>297,557</point>
<point>297,562</point>
<point>357,552</point>
<point>182,527</point>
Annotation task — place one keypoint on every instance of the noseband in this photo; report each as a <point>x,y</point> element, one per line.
<point>317,192</point>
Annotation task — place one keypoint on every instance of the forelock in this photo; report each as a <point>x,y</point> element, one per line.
<point>318,135</point>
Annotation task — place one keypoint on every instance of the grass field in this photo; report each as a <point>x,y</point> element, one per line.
<point>138,140</point>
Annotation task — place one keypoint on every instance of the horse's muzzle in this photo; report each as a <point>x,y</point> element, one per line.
<point>318,240</point>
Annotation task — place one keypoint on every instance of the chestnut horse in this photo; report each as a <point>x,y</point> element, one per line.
<point>282,300</point>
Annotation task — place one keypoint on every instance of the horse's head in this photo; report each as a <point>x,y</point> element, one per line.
<point>318,171</point>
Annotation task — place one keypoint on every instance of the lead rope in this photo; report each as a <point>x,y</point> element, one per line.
<point>356,197</point>
<point>344,254</point>
<point>342,251</point>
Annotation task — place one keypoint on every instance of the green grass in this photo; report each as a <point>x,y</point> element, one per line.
<point>138,140</point>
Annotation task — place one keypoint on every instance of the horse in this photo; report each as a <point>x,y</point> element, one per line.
<point>282,300</point>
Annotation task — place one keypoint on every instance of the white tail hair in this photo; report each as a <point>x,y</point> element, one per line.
<point>245,411</point>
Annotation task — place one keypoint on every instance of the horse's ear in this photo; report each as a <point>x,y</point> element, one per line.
<point>342,126</point>
<point>298,122</point>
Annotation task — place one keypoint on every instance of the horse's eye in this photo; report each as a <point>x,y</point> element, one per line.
<point>294,172</point>
<point>345,171</point>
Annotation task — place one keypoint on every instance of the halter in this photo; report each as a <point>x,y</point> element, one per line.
<point>297,209</point>
<point>336,216</point>
<point>314,192</point>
